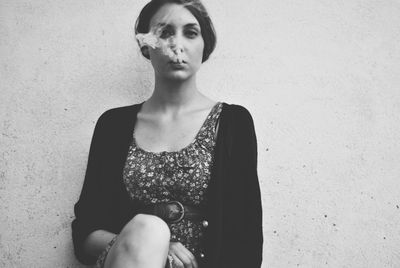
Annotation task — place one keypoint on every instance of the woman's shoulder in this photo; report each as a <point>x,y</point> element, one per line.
<point>118,116</point>
<point>119,112</point>
<point>237,112</point>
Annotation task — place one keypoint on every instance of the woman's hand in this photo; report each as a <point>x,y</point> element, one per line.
<point>181,256</point>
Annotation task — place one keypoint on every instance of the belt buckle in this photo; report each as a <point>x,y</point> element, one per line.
<point>182,212</point>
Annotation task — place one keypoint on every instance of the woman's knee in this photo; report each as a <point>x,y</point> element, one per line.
<point>149,224</point>
<point>139,239</point>
<point>145,230</point>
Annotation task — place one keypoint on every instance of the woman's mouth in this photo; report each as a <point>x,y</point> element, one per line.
<point>177,64</point>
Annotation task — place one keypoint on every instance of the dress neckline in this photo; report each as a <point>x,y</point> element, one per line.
<point>136,147</point>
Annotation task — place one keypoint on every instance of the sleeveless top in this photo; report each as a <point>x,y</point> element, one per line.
<point>154,177</point>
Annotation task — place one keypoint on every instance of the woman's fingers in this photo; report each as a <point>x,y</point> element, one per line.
<point>177,263</point>
<point>186,258</point>
<point>190,258</point>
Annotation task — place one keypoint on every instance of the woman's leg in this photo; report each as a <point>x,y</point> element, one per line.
<point>142,243</point>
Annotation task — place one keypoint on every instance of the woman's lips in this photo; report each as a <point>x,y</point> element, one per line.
<point>177,61</point>
<point>177,65</point>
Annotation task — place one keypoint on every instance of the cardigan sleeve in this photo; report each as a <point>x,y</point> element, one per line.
<point>93,207</point>
<point>250,238</point>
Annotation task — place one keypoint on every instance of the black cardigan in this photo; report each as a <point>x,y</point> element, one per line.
<point>234,236</point>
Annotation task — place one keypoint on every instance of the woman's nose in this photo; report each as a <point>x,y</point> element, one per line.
<point>176,44</point>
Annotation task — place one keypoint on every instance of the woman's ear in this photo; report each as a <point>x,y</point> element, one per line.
<point>145,52</point>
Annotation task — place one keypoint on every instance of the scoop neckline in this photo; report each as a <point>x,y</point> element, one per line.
<point>137,147</point>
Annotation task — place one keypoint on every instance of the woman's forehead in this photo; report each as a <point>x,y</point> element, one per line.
<point>172,14</point>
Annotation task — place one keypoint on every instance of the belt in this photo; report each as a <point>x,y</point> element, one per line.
<point>173,211</point>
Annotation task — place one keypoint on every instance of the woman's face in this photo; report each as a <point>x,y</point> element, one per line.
<point>180,51</point>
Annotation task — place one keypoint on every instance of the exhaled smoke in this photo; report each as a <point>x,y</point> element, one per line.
<point>168,46</point>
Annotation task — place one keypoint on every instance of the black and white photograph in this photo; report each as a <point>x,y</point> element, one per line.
<point>199,134</point>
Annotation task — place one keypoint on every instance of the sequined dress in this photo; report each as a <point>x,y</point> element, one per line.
<point>182,175</point>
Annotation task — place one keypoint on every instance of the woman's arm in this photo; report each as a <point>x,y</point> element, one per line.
<point>97,241</point>
<point>92,211</point>
<point>245,159</point>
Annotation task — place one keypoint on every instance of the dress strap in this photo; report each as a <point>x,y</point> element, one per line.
<point>206,135</point>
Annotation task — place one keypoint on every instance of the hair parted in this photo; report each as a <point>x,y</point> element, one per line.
<point>195,7</point>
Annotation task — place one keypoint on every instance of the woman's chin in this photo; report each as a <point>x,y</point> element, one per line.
<point>178,75</point>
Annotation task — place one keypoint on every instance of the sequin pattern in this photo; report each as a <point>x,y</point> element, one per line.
<point>183,176</point>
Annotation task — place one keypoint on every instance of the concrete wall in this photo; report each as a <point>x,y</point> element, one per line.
<point>321,79</point>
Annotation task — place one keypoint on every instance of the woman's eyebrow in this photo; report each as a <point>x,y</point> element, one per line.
<point>160,24</point>
<point>164,25</point>
<point>194,25</point>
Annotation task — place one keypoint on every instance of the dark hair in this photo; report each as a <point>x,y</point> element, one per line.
<point>198,11</point>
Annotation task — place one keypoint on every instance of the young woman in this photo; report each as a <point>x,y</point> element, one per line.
<point>172,181</point>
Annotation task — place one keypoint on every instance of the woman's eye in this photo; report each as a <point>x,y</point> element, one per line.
<point>165,34</point>
<point>191,34</point>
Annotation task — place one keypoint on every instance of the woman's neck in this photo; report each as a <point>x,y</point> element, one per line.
<point>174,96</point>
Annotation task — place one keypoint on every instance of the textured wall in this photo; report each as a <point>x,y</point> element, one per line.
<point>321,79</point>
